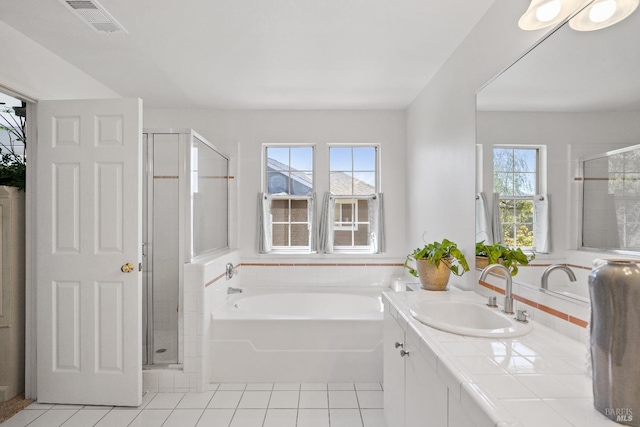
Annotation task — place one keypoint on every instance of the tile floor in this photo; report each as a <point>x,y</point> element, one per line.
<point>226,405</point>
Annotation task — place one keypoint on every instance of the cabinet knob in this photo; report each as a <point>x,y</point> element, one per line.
<point>404,353</point>
<point>399,344</point>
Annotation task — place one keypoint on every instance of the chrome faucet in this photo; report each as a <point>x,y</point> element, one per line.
<point>508,291</point>
<point>231,290</point>
<point>545,274</point>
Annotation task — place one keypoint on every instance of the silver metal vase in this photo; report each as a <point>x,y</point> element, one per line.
<point>614,287</point>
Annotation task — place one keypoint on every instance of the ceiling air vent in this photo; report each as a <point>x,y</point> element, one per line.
<point>94,15</point>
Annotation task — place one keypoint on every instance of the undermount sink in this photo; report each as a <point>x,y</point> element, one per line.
<point>470,319</point>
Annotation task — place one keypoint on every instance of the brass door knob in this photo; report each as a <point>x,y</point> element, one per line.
<point>127,268</point>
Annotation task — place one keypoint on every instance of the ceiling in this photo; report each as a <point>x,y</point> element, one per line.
<point>573,71</point>
<point>297,54</point>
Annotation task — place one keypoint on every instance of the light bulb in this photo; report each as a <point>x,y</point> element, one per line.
<point>603,10</point>
<point>548,11</point>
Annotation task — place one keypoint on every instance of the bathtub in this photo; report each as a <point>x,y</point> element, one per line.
<point>298,335</point>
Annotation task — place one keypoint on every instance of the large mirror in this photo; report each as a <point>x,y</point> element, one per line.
<point>572,97</point>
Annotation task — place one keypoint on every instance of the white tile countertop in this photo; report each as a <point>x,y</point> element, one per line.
<point>540,379</point>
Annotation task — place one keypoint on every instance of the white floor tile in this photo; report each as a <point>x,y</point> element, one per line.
<point>211,386</point>
<point>313,386</point>
<point>85,417</point>
<point>255,400</point>
<point>286,386</point>
<point>118,418</point>
<point>225,400</point>
<point>53,418</point>
<point>183,418</point>
<point>195,400</point>
<point>165,401</point>
<point>343,399</point>
<point>259,386</point>
<point>373,418</point>
<point>368,386</point>
<point>146,398</point>
<point>313,399</point>
<point>36,405</point>
<point>232,386</point>
<point>281,418</point>
<point>370,399</point>
<point>216,418</point>
<point>345,418</point>
<point>72,407</point>
<point>313,418</point>
<point>284,399</point>
<point>151,418</point>
<point>97,407</point>
<point>340,386</point>
<point>248,418</point>
<point>23,418</point>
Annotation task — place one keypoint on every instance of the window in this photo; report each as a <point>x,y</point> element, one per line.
<point>352,184</point>
<point>515,178</point>
<point>289,186</point>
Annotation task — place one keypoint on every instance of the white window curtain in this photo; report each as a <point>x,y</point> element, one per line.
<point>483,225</point>
<point>375,218</point>
<point>376,223</point>
<point>313,228</point>
<point>325,234</point>
<point>497,225</point>
<point>542,224</point>
<point>264,223</point>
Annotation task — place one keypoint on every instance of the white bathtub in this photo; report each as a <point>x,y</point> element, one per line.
<point>298,335</point>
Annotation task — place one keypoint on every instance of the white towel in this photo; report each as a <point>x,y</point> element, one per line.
<point>483,225</point>
<point>497,225</point>
<point>542,224</point>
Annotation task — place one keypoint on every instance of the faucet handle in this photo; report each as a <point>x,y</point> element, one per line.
<point>522,316</point>
<point>491,302</point>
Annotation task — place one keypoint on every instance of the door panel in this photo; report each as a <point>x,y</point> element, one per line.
<point>88,209</point>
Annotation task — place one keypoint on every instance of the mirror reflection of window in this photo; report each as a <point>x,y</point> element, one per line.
<point>515,178</point>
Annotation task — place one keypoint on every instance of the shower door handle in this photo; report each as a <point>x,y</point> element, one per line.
<point>127,268</point>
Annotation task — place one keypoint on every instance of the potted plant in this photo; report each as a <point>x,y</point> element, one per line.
<point>13,144</point>
<point>435,262</point>
<point>497,253</point>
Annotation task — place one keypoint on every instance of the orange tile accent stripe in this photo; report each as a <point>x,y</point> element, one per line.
<point>542,307</point>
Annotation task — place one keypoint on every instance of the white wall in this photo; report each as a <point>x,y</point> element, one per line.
<point>29,69</point>
<point>568,136</point>
<point>441,131</point>
<point>242,133</point>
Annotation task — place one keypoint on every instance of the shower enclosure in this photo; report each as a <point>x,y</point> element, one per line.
<point>185,217</point>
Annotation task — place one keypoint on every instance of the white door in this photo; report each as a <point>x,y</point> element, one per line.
<point>89,222</point>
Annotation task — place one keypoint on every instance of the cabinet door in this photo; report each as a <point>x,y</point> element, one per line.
<point>457,416</point>
<point>425,393</point>
<point>393,372</point>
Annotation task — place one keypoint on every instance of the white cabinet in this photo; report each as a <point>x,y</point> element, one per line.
<point>414,395</point>
<point>394,371</point>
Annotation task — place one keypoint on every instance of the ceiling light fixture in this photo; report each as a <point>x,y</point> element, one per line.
<point>602,14</point>
<point>545,13</point>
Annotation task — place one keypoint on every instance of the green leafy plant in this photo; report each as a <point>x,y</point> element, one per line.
<point>497,253</point>
<point>445,252</point>
<point>13,164</point>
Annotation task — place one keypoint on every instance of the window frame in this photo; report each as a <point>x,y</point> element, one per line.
<point>540,152</point>
<point>355,249</point>
<point>290,197</point>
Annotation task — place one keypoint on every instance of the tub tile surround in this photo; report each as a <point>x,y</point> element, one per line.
<point>294,272</point>
<point>538,379</point>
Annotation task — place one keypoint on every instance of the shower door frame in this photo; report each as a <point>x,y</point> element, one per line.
<point>184,138</point>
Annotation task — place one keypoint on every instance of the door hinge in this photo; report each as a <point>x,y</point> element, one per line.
<point>139,266</point>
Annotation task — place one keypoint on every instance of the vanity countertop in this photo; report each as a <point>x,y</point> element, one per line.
<point>540,379</point>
